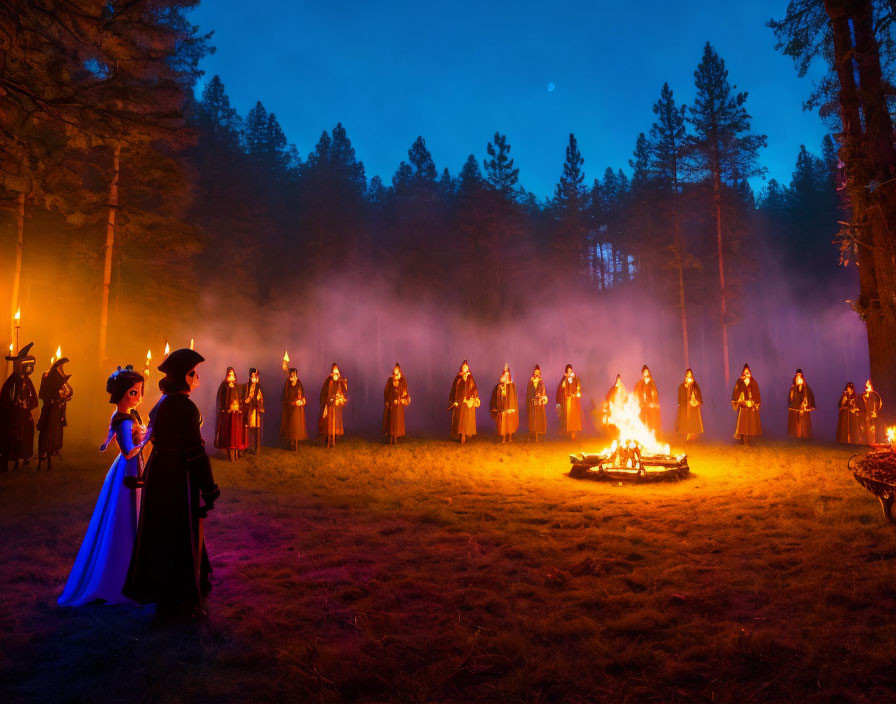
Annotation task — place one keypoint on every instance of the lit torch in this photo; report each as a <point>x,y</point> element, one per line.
<point>285,365</point>
<point>16,324</point>
<point>148,361</point>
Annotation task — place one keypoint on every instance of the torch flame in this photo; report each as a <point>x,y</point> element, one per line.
<point>18,316</point>
<point>285,356</point>
<point>59,352</point>
<point>148,355</point>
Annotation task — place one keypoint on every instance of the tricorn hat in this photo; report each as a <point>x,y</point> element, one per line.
<point>23,355</point>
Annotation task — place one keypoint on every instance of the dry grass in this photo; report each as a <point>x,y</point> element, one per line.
<point>435,573</point>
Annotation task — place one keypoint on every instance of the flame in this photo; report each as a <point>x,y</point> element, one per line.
<point>286,356</point>
<point>18,316</point>
<point>59,352</point>
<point>625,414</point>
<point>191,343</point>
<point>167,348</point>
<point>891,434</point>
<point>10,348</point>
<point>148,356</point>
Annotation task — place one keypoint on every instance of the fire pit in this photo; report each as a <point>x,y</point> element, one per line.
<point>635,456</point>
<point>628,461</point>
<point>876,471</point>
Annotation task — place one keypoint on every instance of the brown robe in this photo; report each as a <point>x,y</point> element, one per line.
<point>848,419</point>
<point>463,415</point>
<point>395,398</point>
<point>536,399</point>
<point>748,421</point>
<point>230,430</point>
<point>505,408</point>
<point>690,419</point>
<point>333,397</point>
<point>649,401</point>
<point>292,419</point>
<point>801,401</point>
<point>569,397</point>
<point>870,405</point>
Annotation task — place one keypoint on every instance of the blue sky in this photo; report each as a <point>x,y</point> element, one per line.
<point>456,72</point>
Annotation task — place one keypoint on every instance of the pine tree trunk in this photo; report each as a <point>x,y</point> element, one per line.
<point>717,200</point>
<point>110,243</point>
<point>679,261</point>
<point>869,222</point>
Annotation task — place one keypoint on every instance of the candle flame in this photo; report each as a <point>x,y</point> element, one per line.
<point>191,343</point>
<point>18,316</point>
<point>167,349</point>
<point>148,356</point>
<point>285,356</point>
<point>59,352</point>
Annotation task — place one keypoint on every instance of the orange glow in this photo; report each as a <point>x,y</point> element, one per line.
<point>891,434</point>
<point>625,414</point>
<point>18,316</point>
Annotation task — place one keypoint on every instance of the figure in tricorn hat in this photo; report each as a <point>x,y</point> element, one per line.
<point>18,399</point>
<point>55,392</point>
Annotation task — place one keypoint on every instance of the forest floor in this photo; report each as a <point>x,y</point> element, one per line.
<point>431,572</point>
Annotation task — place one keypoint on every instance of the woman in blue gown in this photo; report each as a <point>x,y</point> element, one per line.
<point>102,563</point>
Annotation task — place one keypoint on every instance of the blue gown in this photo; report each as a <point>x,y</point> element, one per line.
<point>102,563</point>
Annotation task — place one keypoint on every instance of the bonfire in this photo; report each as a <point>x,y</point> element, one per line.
<point>635,453</point>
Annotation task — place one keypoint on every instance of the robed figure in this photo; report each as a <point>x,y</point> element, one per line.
<point>870,405</point>
<point>800,404</point>
<point>849,426</point>
<point>504,406</point>
<point>569,403</point>
<point>18,399</point>
<point>536,400</point>
<point>253,410</point>
<point>395,399</point>
<point>690,421</point>
<point>615,398</point>
<point>102,563</point>
<point>170,565</point>
<point>292,418</point>
<point>55,393</point>
<point>333,397</point>
<point>230,432</point>
<point>463,401</point>
<point>745,399</point>
<point>648,401</point>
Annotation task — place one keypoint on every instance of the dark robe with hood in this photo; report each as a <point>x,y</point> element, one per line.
<point>230,431</point>
<point>292,419</point>
<point>333,397</point>
<point>169,563</point>
<point>690,419</point>
<point>463,416</point>
<point>649,402</point>
<point>848,419</point>
<point>569,396</point>
<point>395,398</point>
<point>536,400</point>
<point>870,405</point>
<point>801,401</point>
<point>55,394</point>
<point>253,405</point>
<point>17,401</point>
<point>505,408</point>
<point>748,421</point>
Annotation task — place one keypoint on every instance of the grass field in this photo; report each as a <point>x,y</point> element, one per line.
<point>431,572</point>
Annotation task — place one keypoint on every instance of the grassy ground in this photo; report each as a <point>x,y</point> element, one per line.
<point>435,573</point>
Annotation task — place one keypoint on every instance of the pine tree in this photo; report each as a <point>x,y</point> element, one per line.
<point>724,151</point>
<point>570,232</point>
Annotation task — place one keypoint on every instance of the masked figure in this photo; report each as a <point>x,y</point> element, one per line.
<point>463,401</point>
<point>536,400</point>
<point>505,406</point>
<point>395,400</point>
<point>292,419</point>
<point>253,410</point>
<point>333,397</point>
<point>55,392</point>
<point>690,420</point>
<point>18,399</point>
<point>230,431</point>
<point>870,405</point>
<point>849,425</point>
<point>745,399</point>
<point>800,403</point>
<point>648,401</point>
